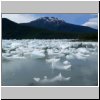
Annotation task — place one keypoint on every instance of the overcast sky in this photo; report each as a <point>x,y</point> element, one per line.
<point>90,20</point>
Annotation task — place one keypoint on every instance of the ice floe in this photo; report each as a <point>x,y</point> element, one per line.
<point>66,62</point>
<point>81,56</point>
<point>36,79</point>
<point>66,67</point>
<point>52,47</point>
<point>59,77</point>
<point>83,50</point>
<point>37,54</point>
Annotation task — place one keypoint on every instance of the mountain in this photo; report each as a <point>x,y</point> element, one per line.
<point>12,30</point>
<point>46,28</point>
<point>52,23</point>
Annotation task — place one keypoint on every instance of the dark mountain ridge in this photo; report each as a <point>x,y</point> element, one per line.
<point>52,23</point>
<point>46,28</point>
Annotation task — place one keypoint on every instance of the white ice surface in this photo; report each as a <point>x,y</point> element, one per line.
<point>40,48</point>
<point>37,54</point>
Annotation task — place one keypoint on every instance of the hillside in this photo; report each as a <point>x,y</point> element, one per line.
<point>46,28</point>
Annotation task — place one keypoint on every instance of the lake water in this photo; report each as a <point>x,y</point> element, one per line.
<point>49,63</point>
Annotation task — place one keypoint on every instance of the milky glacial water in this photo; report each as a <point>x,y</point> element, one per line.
<point>49,63</point>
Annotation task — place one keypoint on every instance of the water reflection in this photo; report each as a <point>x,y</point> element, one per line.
<point>36,72</point>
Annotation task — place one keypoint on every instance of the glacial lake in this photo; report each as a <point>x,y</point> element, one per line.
<point>49,63</point>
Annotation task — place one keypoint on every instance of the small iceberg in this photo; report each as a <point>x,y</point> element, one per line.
<point>36,79</point>
<point>66,67</point>
<point>81,56</point>
<point>83,51</point>
<point>59,77</point>
<point>15,45</point>
<point>37,54</point>
<point>52,52</point>
<point>66,62</point>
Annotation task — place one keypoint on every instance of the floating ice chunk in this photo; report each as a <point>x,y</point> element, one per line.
<point>51,52</point>
<point>82,53</point>
<point>36,79</point>
<point>59,77</point>
<point>67,79</point>
<point>41,81</point>
<point>64,51</point>
<point>83,50</point>
<point>81,56</point>
<point>66,62</point>
<point>37,54</point>
<point>55,50</point>
<point>58,48</point>
<point>63,46</point>
<point>53,62</point>
<point>66,67</point>
<point>90,45</point>
<point>16,44</point>
<point>27,54</point>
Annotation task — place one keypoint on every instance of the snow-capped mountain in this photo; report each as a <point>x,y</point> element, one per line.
<point>52,23</point>
<point>46,28</point>
<point>49,20</point>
